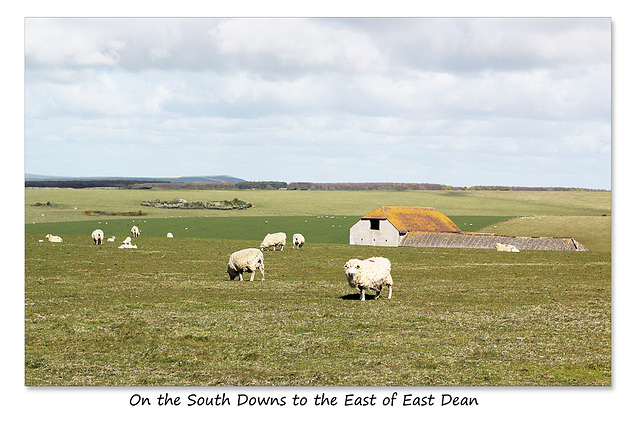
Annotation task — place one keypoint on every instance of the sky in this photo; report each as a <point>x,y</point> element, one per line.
<point>454,101</point>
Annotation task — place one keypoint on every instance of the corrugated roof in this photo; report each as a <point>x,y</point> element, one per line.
<point>409,218</point>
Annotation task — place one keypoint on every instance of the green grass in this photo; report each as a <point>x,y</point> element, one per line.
<point>323,229</point>
<point>312,203</point>
<point>166,313</point>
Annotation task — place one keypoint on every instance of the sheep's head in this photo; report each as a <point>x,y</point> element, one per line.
<point>351,268</point>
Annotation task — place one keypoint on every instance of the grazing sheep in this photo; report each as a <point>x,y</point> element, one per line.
<point>53,239</point>
<point>97,236</point>
<point>370,273</point>
<point>274,240</point>
<point>506,248</point>
<point>169,235</point>
<point>298,240</point>
<point>135,231</point>
<point>245,260</point>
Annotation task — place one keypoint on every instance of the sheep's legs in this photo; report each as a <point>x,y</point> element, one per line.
<point>377,294</point>
<point>362,295</point>
<point>390,291</point>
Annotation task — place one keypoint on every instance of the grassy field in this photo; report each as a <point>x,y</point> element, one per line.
<point>70,204</point>
<point>166,313</point>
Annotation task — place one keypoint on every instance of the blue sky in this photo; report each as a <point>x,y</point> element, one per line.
<point>505,101</point>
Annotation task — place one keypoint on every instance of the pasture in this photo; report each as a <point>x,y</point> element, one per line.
<point>167,314</point>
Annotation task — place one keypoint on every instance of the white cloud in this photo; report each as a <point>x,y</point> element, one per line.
<point>407,92</point>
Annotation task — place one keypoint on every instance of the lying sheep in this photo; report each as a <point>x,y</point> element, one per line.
<point>111,239</point>
<point>298,240</point>
<point>170,235</point>
<point>274,240</point>
<point>53,239</point>
<point>127,241</point>
<point>245,260</point>
<point>135,231</point>
<point>127,246</point>
<point>97,236</point>
<point>370,273</point>
<point>501,247</point>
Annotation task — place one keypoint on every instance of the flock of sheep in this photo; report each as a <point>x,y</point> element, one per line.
<point>364,275</point>
<point>369,274</point>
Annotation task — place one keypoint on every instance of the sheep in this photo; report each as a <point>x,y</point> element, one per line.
<point>97,236</point>
<point>506,248</point>
<point>245,260</point>
<point>111,239</point>
<point>170,235</point>
<point>127,246</point>
<point>298,240</point>
<point>274,240</point>
<point>127,241</point>
<point>53,239</point>
<point>370,273</point>
<point>135,231</point>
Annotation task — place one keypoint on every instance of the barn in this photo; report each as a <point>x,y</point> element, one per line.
<point>426,227</point>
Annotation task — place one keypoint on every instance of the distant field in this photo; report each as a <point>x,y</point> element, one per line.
<point>321,229</point>
<point>166,313</point>
<point>313,203</point>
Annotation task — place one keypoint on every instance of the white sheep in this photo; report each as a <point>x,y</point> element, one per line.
<point>127,246</point>
<point>274,240</point>
<point>245,260</point>
<point>97,236</point>
<point>135,231</point>
<point>127,241</point>
<point>53,239</point>
<point>111,239</point>
<point>506,248</point>
<point>170,235</point>
<point>369,274</point>
<point>298,240</point>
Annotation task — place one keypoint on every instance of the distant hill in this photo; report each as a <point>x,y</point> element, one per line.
<point>214,178</point>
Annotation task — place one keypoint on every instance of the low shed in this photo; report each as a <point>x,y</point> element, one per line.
<point>389,225</point>
<point>426,227</point>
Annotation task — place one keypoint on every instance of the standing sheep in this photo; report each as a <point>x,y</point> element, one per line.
<point>245,260</point>
<point>97,236</point>
<point>135,231</point>
<point>370,273</point>
<point>298,240</point>
<point>53,239</point>
<point>274,240</point>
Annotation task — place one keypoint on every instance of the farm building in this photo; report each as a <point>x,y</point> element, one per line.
<point>426,227</point>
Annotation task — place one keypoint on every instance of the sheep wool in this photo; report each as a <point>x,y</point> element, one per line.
<point>369,274</point>
<point>298,240</point>
<point>501,247</point>
<point>245,260</point>
<point>274,241</point>
<point>97,236</point>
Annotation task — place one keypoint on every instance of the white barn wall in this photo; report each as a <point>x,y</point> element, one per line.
<point>362,234</point>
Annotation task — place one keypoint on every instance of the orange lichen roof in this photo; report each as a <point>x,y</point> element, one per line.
<point>408,218</point>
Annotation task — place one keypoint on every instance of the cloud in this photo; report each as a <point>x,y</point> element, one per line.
<point>402,93</point>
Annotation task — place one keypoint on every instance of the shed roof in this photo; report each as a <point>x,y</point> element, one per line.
<point>408,218</point>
